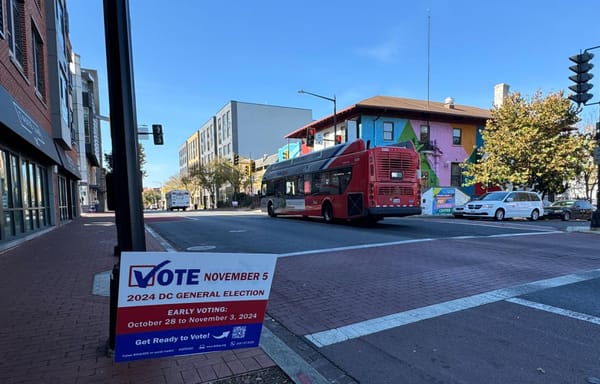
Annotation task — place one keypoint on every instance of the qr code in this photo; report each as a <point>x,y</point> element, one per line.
<point>238,332</point>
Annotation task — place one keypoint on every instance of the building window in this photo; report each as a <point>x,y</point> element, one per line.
<point>1,18</point>
<point>64,100</point>
<point>388,131</point>
<point>228,123</point>
<point>424,180</point>
<point>86,124</point>
<point>38,62</point>
<point>456,136</point>
<point>424,135</point>
<point>16,27</point>
<point>219,130</point>
<point>455,175</point>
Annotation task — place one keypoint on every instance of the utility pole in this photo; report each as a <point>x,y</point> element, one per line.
<point>129,217</point>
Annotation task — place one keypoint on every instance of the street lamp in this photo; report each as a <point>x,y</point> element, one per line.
<point>334,109</point>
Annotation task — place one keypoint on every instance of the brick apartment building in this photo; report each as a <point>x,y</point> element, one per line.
<point>38,141</point>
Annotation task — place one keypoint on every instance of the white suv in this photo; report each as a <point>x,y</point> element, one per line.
<point>506,205</point>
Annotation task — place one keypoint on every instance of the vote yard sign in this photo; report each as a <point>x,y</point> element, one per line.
<point>183,303</point>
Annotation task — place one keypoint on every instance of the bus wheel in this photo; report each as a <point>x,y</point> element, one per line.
<point>327,213</point>
<point>271,210</point>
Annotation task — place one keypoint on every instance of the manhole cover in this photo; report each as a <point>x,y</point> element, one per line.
<point>201,248</point>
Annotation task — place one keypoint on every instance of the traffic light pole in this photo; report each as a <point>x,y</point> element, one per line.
<point>581,96</point>
<point>334,101</point>
<point>595,222</point>
<point>129,217</point>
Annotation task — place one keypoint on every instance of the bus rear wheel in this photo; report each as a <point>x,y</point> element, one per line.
<point>327,211</point>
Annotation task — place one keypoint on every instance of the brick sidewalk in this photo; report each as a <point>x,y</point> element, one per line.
<point>53,329</point>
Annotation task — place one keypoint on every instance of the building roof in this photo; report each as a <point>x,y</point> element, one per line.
<point>425,106</point>
<point>402,107</point>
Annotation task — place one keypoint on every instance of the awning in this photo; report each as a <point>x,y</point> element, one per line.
<point>67,162</point>
<point>18,121</point>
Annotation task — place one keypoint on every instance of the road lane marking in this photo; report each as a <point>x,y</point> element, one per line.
<point>401,242</point>
<point>555,310</point>
<point>368,327</point>
<point>525,234</point>
<point>164,243</point>
<point>488,223</point>
<point>353,247</point>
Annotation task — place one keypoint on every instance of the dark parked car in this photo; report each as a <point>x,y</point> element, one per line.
<point>569,209</point>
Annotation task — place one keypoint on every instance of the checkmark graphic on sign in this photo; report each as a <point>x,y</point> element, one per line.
<point>142,281</point>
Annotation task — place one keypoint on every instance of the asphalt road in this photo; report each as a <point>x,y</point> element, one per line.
<point>422,300</point>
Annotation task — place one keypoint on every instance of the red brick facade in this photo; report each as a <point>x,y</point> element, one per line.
<point>19,82</point>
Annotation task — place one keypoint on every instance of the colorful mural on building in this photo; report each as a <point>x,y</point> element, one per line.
<point>442,149</point>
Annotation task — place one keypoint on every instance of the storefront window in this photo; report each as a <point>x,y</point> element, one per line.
<point>24,195</point>
<point>63,204</point>
<point>3,193</point>
<point>17,201</point>
<point>3,181</point>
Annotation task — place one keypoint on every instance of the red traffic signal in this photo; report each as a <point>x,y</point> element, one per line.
<point>310,137</point>
<point>338,139</point>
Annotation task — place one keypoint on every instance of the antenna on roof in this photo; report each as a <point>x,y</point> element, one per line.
<point>428,54</point>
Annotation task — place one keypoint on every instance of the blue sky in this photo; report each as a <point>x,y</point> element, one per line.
<point>191,57</point>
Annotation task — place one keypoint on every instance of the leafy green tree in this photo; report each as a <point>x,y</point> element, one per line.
<point>230,174</point>
<point>587,175</point>
<point>205,177</point>
<point>174,182</point>
<point>151,197</point>
<point>108,160</point>
<point>527,144</point>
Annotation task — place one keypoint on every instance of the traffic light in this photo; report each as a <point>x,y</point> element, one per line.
<point>310,137</point>
<point>236,159</point>
<point>247,170</point>
<point>582,76</point>
<point>338,139</point>
<point>157,134</point>
<point>285,155</point>
<point>252,166</point>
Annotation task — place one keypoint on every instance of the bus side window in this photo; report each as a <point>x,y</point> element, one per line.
<point>345,180</point>
<point>278,188</point>
<point>307,190</point>
<point>290,188</point>
<point>315,184</point>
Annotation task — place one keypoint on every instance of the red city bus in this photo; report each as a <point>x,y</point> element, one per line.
<point>347,181</point>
